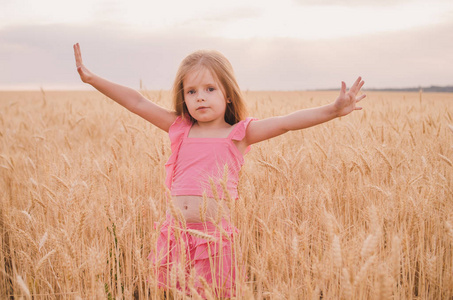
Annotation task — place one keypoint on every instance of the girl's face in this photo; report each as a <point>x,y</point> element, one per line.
<point>204,96</point>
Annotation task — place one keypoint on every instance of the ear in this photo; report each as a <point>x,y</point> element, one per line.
<point>228,100</point>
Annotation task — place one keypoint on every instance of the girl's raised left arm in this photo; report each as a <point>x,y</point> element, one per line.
<point>346,102</point>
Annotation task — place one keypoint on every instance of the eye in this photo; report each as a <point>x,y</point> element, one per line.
<point>211,89</point>
<point>191,92</point>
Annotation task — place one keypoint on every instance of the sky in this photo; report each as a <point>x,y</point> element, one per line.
<point>272,45</point>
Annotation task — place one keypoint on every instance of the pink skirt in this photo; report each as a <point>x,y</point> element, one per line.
<point>201,252</point>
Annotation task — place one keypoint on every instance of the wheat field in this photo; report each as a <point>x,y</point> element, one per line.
<point>357,208</point>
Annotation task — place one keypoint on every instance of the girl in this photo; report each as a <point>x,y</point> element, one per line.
<point>209,136</point>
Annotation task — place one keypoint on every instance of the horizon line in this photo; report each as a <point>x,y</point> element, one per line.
<point>34,88</point>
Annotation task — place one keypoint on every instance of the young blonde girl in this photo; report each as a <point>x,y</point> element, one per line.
<point>209,135</point>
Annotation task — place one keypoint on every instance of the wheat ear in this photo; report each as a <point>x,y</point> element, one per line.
<point>346,284</point>
<point>336,252</point>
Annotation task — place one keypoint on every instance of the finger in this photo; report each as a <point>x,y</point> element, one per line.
<point>357,81</point>
<point>78,54</point>
<point>343,89</point>
<point>76,49</point>
<point>361,84</point>
<point>357,108</point>
<point>354,88</point>
<point>361,97</point>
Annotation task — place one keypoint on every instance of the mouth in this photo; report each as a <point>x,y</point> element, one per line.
<point>202,107</point>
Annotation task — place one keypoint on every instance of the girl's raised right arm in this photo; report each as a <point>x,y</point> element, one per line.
<point>125,96</point>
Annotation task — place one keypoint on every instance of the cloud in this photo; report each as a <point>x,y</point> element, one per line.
<point>42,55</point>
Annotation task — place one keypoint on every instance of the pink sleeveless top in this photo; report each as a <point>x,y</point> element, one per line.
<point>195,161</point>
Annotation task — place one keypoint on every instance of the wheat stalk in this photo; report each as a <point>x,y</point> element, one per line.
<point>346,286</point>
<point>360,276</point>
<point>431,269</point>
<point>43,259</point>
<point>214,189</point>
<point>23,286</point>
<point>200,234</point>
<point>368,168</point>
<point>207,289</point>
<point>449,230</point>
<point>295,246</point>
<point>369,246</point>
<point>451,127</point>
<point>383,285</point>
<point>387,161</point>
<point>336,252</point>
<point>43,240</point>
<point>203,208</point>
<point>396,257</point>
<point>445,159</point>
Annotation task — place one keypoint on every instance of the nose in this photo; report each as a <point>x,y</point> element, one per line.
<point>200,97</point>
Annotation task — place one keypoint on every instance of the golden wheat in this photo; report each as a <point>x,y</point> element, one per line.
<point>82,183</point>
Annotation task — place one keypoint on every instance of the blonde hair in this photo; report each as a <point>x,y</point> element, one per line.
<point>221,69</point>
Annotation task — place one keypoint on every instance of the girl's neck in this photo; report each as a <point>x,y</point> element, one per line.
<point>207,129</point>
<point>212,125</point>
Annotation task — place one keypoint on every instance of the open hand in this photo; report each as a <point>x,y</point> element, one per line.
<point>84,73</point>
<point>346,102</point>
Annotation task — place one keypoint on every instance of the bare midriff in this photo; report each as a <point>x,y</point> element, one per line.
<point>191,208</point>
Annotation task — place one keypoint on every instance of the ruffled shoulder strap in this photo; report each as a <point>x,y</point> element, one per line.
<point>177,130</point>
<point>239,130</point>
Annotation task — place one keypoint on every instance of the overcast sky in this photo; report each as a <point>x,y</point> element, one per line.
<point>273,45</point>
